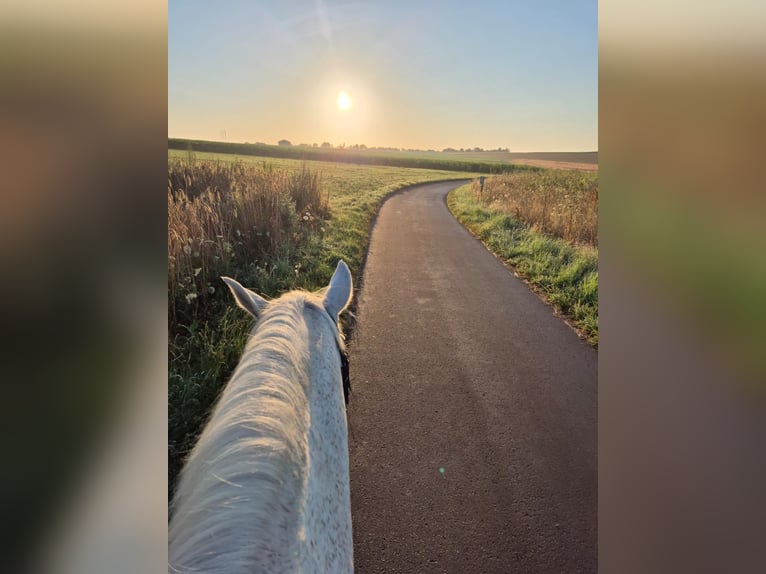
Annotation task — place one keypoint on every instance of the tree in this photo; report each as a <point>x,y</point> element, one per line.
<point>284,143</point>
<point>326,144</point>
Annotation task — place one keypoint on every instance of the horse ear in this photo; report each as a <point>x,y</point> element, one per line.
<point>339,292</point>
<point>249,301</point>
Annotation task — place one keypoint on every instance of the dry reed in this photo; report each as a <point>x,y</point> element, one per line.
<point>560,203</point>
<point>223,216</point>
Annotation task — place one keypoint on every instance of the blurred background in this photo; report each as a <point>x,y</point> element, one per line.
<point>683,272</point>
<point>82,252</point>
<point>83,140</point>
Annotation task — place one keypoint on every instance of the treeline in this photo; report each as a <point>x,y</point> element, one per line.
<point>474,149</point>
<point>341,155</point>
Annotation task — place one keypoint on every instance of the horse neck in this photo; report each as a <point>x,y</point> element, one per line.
<point>327,511</point>
<point>324,504</point>
<point>328,437</point>
<point>267,465</point>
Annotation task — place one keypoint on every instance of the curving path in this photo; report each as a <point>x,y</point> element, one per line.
<point>473,409</point>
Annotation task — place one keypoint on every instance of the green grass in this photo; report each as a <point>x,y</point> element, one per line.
<point>207,332</point>
<point>565,274</point>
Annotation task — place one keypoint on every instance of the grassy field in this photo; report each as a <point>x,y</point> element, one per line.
<point>274,225</point>
<point>538,225</point>
<point>472,161</point>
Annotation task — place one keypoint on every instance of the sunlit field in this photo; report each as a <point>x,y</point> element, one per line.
<point>466,160</point>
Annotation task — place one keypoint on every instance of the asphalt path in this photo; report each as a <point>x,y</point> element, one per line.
<point>473,413</point>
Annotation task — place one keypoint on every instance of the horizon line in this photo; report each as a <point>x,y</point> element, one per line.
<point>383,147</point>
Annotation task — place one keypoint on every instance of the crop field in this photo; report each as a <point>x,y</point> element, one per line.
<point>274,225</point>
<point>475,161</point>
<point>545,225</point>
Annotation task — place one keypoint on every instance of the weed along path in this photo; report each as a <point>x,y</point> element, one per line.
<point>473,409</point>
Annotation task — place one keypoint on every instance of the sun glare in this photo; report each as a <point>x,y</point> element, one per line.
<point>344,102</point>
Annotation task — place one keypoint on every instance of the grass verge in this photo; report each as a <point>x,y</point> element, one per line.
<point>566,275</point>
<point>556,202</point>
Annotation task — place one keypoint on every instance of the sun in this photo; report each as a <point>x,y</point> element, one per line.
<point>344,102</point>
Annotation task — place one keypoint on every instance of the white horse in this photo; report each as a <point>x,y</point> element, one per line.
<point>266,488</point>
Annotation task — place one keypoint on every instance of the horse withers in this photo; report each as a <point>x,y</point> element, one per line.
<point>266,488</point>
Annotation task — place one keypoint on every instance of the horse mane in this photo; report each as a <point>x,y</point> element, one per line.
<point>245,482</point>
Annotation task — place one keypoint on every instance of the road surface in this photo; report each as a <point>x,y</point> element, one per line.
<point>473,412</point>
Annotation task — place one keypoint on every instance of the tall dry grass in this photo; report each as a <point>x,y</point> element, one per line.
<point>225,216</point>
<point>559,203</point>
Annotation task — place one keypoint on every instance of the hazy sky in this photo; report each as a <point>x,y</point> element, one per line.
<point>520,74</point>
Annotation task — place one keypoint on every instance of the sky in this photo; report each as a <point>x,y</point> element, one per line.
<point>517,74</point>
